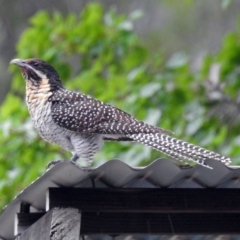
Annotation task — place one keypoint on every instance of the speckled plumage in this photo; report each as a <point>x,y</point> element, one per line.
<point>80,124</point>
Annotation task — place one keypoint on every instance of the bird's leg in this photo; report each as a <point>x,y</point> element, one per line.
<point>74,158</point>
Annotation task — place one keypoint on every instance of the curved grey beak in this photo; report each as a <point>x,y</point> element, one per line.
<point>18,62</point>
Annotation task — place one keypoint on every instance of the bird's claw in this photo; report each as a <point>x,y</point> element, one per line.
<point>53,163</point>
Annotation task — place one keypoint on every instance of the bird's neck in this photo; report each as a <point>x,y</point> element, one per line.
<point>37,94</point>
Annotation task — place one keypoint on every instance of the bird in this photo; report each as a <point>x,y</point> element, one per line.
<point>81,124</point>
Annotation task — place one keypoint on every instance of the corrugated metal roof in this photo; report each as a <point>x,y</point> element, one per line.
<point>115,173</point>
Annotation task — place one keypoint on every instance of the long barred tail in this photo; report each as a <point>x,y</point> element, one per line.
<point>178,149</point>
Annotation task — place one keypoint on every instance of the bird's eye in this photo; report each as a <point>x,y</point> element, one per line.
<point>35,64</point>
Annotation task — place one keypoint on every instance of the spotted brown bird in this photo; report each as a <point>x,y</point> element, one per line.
<point>80,123</point>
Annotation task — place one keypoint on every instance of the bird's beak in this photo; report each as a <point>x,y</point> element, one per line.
<point>19,62</point>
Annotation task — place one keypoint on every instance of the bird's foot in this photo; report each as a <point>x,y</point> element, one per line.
<point>84,168</point>
<point>53,163</point>
<point>73,161</point>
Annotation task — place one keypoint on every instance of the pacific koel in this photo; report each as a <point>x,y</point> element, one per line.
<point>81,124</point>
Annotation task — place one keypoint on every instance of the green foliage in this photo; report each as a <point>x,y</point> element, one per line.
<point>226,128</point>
<point>226,3</point>
<point>99,54</point>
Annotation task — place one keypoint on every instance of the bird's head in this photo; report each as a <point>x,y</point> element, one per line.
<point>36,70</point>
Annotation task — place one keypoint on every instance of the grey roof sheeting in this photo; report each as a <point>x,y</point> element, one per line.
<point>115,173</point>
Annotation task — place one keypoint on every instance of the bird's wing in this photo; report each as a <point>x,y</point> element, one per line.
<point>84,114</point>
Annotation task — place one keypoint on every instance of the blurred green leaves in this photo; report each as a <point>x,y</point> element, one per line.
<point>100,54</point>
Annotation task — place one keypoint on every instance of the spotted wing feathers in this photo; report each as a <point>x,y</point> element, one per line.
<point>84,114</point>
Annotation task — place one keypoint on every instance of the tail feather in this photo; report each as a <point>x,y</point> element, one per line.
<point>190,148</point>
<point>179,149</point>
<point>177,154</point>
